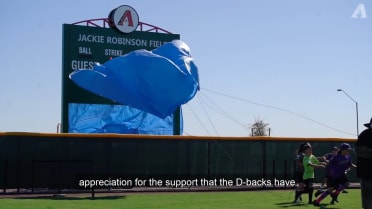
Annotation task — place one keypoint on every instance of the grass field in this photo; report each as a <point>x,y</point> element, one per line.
<point>185,200</point>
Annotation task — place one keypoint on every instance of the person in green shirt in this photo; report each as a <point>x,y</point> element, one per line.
<point>310,162</point>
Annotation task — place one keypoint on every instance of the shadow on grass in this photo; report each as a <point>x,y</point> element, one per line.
<point>291,204</point>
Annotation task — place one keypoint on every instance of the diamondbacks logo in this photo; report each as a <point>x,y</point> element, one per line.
<point>359,12</point>
<point>124,18</point>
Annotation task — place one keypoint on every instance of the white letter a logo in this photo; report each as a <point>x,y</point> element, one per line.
<point>360,12</point>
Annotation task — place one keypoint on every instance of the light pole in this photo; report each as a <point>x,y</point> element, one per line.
<point>356,106</point>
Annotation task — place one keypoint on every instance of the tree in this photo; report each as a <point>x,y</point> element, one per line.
<point>259,128</point>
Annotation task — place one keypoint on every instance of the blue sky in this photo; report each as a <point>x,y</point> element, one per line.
<point>280,61</point>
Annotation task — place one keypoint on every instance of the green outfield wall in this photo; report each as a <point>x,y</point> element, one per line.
<point>60,161</point>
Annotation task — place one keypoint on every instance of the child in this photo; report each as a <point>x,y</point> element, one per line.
<point>327,158</point>
<point>299,172</point>
<point>309,162</point>
<point>339,165</point>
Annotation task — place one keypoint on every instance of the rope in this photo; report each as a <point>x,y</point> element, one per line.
<point>280,109</point>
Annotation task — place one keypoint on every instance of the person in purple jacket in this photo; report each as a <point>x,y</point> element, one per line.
<point>338,181</point>
<point>328,158</point>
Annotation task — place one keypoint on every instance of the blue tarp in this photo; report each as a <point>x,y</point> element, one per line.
<point>154,82</point>
<point>102,118</point>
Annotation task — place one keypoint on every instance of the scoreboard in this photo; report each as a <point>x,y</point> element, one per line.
<point>83,46</point>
